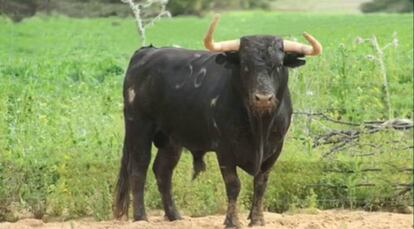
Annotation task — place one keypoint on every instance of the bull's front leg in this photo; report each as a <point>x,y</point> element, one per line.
<point>232,183</point>
<point>256,212</point>
<point>260,184</point>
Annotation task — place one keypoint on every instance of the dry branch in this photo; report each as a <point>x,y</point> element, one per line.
<point>379,57</point>
<point>342,139</point>
<point>144,15</point>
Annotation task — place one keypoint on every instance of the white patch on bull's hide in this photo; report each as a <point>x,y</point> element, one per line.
<point>197,55</point>
<point>278,69</point>
<point>131,95</point>
<point>180,85</point>
<point>216,128</point>
<point>214,101</point>
<point>200,77</point>
<point>215,124</point>
<point>246,69</point>
<point>191,69</point>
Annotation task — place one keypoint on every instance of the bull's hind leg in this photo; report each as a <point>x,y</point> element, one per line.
<point>138,138</point>
<point>164,164</point>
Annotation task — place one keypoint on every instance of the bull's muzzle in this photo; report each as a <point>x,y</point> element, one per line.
<point>264,103</point>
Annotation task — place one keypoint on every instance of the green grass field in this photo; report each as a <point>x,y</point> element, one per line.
<point>61,124</point>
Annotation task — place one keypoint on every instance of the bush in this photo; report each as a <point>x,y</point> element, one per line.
<point>189,7</point>
<point>18,9</point>
<point>199,7</point>
<point>390,6</point>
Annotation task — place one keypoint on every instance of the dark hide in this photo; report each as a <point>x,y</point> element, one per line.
<point>204,101</point>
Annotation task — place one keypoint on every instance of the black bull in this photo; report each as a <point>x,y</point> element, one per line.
<point>236,104</point>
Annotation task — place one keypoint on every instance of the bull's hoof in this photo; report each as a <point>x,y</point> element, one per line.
<point>140,218</point>
<point>232,222</point>
<point>256,218</point>
<point>257,222</point>
<point>173,216</point>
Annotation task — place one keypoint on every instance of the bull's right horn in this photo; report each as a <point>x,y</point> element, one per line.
<point>223,46</point>
<point>314,50</point>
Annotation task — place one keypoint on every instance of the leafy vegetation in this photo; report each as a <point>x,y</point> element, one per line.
<point>390,6</point>
<point>200,7</point>
<point>17,10</point>
<point>61,124</point>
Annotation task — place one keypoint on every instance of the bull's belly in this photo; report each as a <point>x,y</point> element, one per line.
<point>193,136</point>
<point>192,143</point>
<point>240,147</point>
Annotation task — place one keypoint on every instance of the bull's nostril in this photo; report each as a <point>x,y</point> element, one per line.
<point>264,98</point>
<point>270,98</point>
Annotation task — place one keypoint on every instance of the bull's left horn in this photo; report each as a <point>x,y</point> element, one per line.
<point>314,50</point>
<point>223,46</point>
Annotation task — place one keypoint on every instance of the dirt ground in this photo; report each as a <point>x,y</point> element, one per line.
<point>341,219</point>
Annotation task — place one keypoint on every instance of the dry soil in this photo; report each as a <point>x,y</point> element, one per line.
<point>341,219</point>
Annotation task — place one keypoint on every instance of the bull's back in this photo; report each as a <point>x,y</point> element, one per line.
<point>178,89</point>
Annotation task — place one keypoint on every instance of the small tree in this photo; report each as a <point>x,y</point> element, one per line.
<point>146,13</point>
<point>378,56</point>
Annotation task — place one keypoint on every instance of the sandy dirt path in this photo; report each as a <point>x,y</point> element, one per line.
<point>330,219</point>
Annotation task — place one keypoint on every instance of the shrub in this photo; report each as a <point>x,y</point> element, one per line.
<point>199,7</point>
<point>18,9</point>
<point>390,6</point>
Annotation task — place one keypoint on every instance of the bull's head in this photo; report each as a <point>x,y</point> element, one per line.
<point>263,64</point>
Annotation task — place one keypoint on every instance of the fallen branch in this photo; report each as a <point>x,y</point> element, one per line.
<point>410,170</point>
<point>342,139</point>
<point>392,123</point>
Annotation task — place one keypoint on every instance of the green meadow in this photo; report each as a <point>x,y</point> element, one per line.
<point>61,123</point>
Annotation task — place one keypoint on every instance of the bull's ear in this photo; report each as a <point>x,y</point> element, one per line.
<point>294,60</point>
<point>228,57</point>
<point>233,57</point>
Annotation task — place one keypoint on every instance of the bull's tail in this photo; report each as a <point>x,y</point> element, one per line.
<point>198,163</point>
<point>122,188</point>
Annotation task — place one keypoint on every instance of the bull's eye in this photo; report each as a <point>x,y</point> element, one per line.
<point>272,69</point>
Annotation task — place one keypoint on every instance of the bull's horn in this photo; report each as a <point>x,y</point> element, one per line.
<point>314,50</point>
<point>223,46</point>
